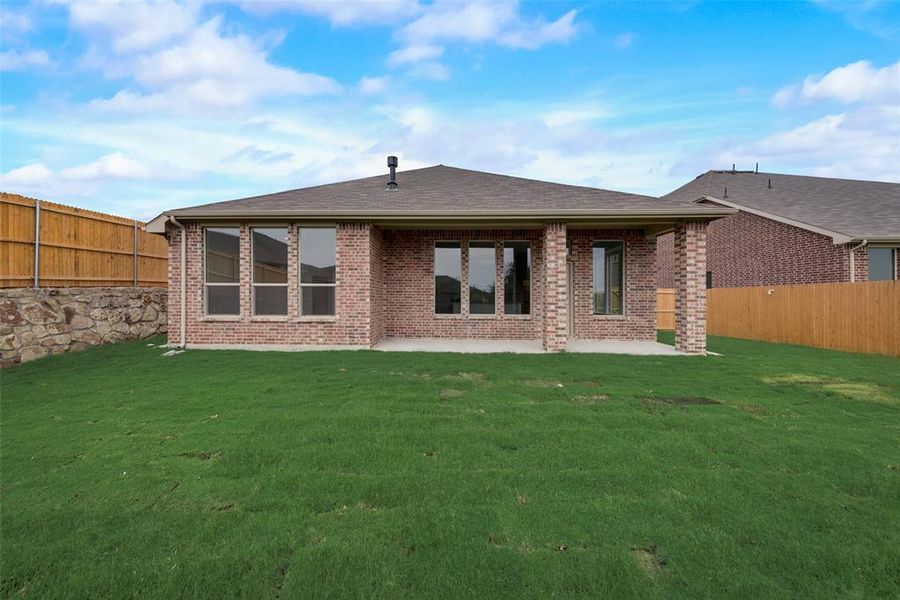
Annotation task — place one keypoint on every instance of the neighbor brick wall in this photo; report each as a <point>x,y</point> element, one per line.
<point>747,250</point>
<point>639,320</point>
<point>376,273</point>
<point>690,287</point>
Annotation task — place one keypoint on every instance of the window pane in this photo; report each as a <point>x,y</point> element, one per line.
<point>269,255</point>
<point>517,278</point>
<point>269,300</point>
<point>317,255</point>
<point>609,298</point>
<point>881,264</point>
<point>223,299</point>
<point>222,255</point>
<point>482,277</point>
<point>317,300</point>
<point>447,277</point>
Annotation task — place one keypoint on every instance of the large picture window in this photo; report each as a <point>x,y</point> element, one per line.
<point>517,278</point>
<point>270,257</point>
<point>447,278</point>
<point>318,271</point>
<point>223,270</point>
<point>609,278</point>
<point>882,264</point>
<point>482,278</point>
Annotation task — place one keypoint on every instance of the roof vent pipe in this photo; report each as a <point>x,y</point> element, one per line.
<point>757,167</point>
<point>733,167</point>
<point>392,165</point>
<point>770,183</point>
<point>726,192</point>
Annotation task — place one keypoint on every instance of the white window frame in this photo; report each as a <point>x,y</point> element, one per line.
<point>207,284</point>
<point>301,285</point>
<point>624,281</point>
<point>530,275</point>
<point>254,285</point>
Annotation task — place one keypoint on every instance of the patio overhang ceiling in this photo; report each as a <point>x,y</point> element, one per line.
<point>657,220</point>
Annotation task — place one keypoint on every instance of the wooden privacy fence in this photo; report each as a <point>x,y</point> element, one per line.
<point>44,244</point>
<point>665,309</point>
<point>856,317</point>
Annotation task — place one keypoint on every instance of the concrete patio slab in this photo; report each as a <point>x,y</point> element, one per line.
<point>622,347</point>
<point>523,346</point>
<point>465,346</point>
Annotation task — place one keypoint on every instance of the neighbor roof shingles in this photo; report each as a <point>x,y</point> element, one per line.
<point>440,189</point>
<point>858,209</point>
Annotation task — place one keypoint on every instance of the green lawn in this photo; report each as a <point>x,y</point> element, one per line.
<point>772,471</point>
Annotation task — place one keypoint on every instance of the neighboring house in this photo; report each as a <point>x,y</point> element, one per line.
<point>792,229</point>
<point>439,253</point>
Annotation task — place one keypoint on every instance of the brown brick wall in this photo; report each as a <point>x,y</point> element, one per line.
<point>385,288</point>
<point>690,287</point>
<point>746,250</point>
<point>555,284</point>
<point>639,320</point>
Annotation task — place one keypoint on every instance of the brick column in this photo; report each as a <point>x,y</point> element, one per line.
<point>556,303</point>
<point>690,287</point>
<point>173,312</point>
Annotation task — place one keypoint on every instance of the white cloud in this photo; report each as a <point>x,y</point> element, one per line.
<point>111,166</point>
<point>12,22</point>
<point>624,40</point>
<point>475,22</point>
<point>13,60</point>
<point>855,82</point>
<point>133,26</point>
<point>340,12</point>
<point>373,85</point>
<point>574,113</point>
<point>207,70</point>
<point>415,53</point>
<point>27,176</point>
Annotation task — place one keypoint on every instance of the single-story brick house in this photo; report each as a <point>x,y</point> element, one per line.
<point>792,229</point>
<point>438,252</point>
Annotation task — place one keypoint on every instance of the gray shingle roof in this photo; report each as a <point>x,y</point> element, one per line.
<point>443,190</point>
<point>854,208</point>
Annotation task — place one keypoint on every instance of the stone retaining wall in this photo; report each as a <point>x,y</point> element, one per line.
<point>38,322</point>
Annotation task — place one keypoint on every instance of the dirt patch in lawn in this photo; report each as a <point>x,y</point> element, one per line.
<point>543,383</point>
<point>682,400</point>
<point>227,507</point>
<point>855,391</point>
<point>589,399</point>
<point>204,456</point>
<point>464,377</point>
<point>649,559</point>
<point>754,409</point>
<point>450,393</point>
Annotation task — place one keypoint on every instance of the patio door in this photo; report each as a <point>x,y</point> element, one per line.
<point>570,298</point>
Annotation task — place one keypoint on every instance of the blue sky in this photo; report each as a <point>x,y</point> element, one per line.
<point>135,107</point>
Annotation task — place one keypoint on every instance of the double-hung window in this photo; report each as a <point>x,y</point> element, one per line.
<point>482,278</point>
<point>318,268</point>
<point>609,278</point>
<point>517,278</point>
<point>222,270</point>
<point>882,264</point>
<point>270,258</point>
<point>447,278</point>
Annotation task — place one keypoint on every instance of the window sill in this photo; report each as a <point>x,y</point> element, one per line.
<point>221,318</point>
<point>610,317</point>
<point>448,316</point>
<point>316,319</point>
<point>482,317</point>
<point>270,319</point>
<point>517,317</point>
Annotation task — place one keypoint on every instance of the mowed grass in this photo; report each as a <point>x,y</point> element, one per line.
<point>771,471</point>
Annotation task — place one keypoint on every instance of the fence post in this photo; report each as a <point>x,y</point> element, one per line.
<point>134,268</point>
<point>37,243</point>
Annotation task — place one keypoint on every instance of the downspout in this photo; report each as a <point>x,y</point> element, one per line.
<point>853,259</point>
<point>183,279</point>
